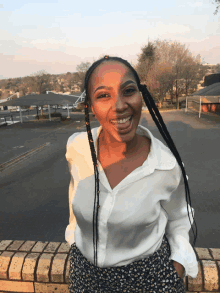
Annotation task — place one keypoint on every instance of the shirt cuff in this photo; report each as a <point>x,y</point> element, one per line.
<point>70,237</point>
<point>183,253</point>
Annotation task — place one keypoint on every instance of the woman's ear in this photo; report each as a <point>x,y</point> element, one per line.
<point>92,110</point>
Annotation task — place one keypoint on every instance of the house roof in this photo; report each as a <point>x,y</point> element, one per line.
<point>42,99</point>
<point>211,90</point>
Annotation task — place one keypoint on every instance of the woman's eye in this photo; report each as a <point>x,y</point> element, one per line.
<point>131,90</point>
<point>101,96</point>
<point>127,91</point>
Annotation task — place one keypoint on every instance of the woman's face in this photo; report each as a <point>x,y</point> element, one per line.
<point>114,94</point>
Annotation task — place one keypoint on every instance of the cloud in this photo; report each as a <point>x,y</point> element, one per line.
<point>1,6</point>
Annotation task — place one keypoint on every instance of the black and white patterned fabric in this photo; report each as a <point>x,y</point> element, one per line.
<point>149,275</point>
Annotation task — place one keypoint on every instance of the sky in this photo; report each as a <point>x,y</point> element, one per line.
<point>56,36</point>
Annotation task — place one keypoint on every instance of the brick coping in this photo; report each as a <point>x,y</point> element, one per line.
<point>37,266</point>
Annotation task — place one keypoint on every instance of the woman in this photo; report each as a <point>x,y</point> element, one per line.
<point>122,246</point>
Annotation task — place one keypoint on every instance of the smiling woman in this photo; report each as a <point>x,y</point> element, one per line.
<point>137,248</point>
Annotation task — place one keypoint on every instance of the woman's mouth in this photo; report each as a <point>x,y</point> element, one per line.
<point>123,127</point>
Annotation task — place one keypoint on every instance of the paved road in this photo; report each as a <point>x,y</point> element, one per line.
<point>34,194</point>
<point>19,138</point>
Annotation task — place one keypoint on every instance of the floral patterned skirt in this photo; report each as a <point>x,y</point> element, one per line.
<point>155,274</point>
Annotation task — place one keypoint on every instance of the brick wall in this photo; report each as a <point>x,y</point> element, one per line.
<point>35,266</point>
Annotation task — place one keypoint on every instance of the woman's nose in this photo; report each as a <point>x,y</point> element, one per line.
<point>119,103</point>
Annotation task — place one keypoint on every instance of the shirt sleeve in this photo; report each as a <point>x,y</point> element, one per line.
<point>70,229</point>
<point>178,227</point>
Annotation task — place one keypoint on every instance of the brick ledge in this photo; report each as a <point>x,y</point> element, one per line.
<point>36,266</point>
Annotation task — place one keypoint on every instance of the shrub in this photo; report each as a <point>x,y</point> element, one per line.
<point>56,114</point>
<point>45,116</point>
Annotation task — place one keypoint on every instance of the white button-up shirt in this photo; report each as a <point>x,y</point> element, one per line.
<point>134,215</point>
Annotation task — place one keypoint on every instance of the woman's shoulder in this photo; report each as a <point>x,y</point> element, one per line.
<point>80,139</point>
<point>75,137</point>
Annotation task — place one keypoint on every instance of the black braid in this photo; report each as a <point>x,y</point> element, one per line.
<point>158,121</point>
<point>96,176</point>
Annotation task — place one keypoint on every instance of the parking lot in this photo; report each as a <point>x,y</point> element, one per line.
<point>30,114</point>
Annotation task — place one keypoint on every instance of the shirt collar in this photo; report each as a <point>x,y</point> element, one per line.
<point>160,156</point>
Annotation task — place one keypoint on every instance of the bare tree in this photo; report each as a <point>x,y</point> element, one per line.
<point>145,61</point>
<point>40,83</point>
<point>81,70</point>
<point>167,67</point>
<point>217,68</point>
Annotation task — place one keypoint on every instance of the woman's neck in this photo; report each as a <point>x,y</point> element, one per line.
<point>115,150</point>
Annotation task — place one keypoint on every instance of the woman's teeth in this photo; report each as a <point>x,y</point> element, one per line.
<point>121,121</point>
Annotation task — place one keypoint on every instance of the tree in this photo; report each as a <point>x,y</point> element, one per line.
<point>81,70</point>
<point>217,68</point>
<point>40,83</point>
<point>167,67</point>
<point>218,6</point>
<point>145,60</point>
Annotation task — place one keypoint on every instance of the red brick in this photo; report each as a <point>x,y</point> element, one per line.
<point>67,270</point>
<point>16,286</point>
<point>64,247</point>
<point>196,283</point>
<point>51,288</point>
<point>29,266</point>
<point>4,244</point>
<point>39,246</point>
<point>58,265</point>
<point>211,280</point>
<point>5,259</point>
<point>16,265</point>
<point>15,245</point>
<point>27,246</point>
<point>43,267</point>
<point>52,247</point>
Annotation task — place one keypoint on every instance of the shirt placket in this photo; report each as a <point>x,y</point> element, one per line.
<point>105,212</point>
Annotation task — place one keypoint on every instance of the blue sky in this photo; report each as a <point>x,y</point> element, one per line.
<point>58,35</point>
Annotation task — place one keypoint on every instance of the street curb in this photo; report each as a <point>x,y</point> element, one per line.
<point>164,110</point>
<point>42,266</point>
<point>21,157</point>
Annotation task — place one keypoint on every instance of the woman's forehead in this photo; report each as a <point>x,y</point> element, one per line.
<point>107,71</point>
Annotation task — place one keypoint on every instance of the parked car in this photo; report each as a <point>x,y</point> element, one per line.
<point>45,108</point>
<point>65,107</point>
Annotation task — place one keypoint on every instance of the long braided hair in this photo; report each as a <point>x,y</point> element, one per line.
<point>160,125</point>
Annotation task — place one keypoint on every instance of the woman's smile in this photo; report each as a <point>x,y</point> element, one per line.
<point>123,127</point>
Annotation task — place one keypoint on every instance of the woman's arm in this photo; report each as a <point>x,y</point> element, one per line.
<point>179,268</point>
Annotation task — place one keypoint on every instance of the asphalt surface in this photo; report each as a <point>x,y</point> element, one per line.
<point>19,138</point>
<point>34,193</point>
